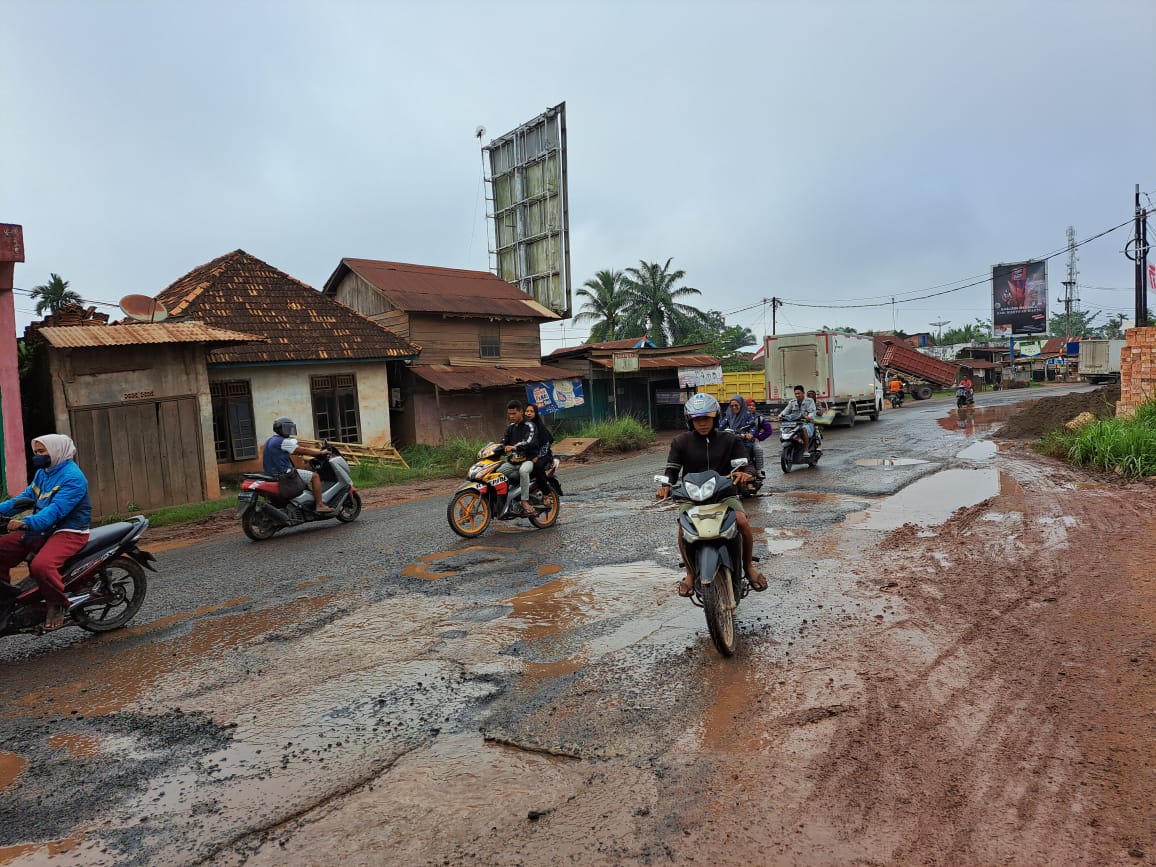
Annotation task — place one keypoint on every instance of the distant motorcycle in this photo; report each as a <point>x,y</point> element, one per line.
<point>263,511</point>
<point>964,397</point>
<point>104,580</point>
<point>896,399</point>
<point>488,495</point>
<point>792,436</point>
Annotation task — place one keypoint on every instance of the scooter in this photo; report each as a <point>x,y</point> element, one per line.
<point>263,511</point>
<point>792,435</point>
<point>964,397</point>
<point>104,581</point>
<point>896,399</point>
<point>488,495</point>
<point>710,532</point>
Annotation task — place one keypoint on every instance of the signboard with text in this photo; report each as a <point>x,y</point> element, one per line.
<point>1019,295</point>
<point>555,395</point>
<point>693,377</point>
<point>625,362</point>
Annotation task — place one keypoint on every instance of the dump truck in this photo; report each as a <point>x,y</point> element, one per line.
<point>924,374</point>
<point>840,368</point>
<point>1100,360</point>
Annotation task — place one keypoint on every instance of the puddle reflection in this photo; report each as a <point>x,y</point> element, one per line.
<point>931,500</point>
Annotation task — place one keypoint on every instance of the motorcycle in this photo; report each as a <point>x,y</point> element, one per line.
<point>489,495</point>
<point>964,397</point>
<point>710,533</point>
<point>896,399</point>
<point>792,436</point>
<point>104,581</point>
<point>263,511</point>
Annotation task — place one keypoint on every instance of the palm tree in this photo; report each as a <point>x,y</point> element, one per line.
<point>652,293</point>
<point>605,300</point>
<point>54,294</point>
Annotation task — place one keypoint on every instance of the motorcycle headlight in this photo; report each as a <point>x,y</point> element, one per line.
<point>700,493</point>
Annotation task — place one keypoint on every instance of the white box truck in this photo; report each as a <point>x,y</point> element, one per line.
<point>1100,360</point>
<point>840,368</point>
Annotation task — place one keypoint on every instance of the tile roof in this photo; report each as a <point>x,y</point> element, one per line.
<point>239,291</point>
<point>428,289</point>
<point>76,336</point>
<point>466,377</point>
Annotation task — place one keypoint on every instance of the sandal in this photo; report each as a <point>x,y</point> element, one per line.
<point>757,580</point>
<point>686,588</point>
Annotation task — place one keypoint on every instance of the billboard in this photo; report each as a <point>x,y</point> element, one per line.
<point>1019,296</point>
<point>528,209</point>
<point>555,395</point>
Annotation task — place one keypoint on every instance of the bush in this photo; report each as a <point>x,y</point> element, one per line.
<point>621,435</point>
<point>1124,445</point>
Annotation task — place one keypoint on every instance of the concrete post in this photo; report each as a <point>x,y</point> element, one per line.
<point>11,252</point>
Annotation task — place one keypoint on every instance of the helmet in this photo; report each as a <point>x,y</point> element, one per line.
<point>284,427</point>
<point>699,405</point>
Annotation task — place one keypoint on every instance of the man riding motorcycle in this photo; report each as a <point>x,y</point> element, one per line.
<point>704,448</point>
<point>802,409</point>
<point>276,460</point>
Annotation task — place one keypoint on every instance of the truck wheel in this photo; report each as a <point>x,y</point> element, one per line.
<point>922,392</point>
<point>878,409</point>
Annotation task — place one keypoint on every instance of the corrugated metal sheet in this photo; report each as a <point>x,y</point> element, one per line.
<point>87,336</point>
<point>473,377</point>
<point>427,289</point>
<point>627,343</point>
<point>664,362</point>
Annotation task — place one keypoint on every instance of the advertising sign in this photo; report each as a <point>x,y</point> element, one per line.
<point>1020,298</point>
<point>555,395</point>
<point>625,362</point>
<point>693,377</point>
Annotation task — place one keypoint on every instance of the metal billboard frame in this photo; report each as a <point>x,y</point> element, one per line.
<point>527,209</point>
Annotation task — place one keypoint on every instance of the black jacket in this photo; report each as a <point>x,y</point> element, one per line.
<point>691,453</point>
<point>523,436</point>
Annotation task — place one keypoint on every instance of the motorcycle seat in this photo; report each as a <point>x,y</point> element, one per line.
<point>103,537</point>
<point>261,477</point>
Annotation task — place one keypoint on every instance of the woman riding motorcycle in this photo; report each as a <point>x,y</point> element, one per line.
<point>740,420</point>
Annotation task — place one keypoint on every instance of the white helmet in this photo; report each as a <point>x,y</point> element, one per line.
<point>699,405</point>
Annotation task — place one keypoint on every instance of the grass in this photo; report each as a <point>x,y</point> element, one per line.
<point>448,461</point>
<point>1123,445</point>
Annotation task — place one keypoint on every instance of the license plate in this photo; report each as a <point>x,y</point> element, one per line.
<point>243,500</point>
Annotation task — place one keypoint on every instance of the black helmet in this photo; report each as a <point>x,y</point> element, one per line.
<point>284,427</point>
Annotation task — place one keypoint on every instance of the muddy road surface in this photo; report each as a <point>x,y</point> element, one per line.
<point>953,665</point>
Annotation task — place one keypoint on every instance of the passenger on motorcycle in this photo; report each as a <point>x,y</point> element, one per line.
<point>277,461</point>
<point>703,448</point>
<point>545,457</point>
<point>802,409</point>
<point>743,422</point>
<point>58,526</point>
<point>520,443</point>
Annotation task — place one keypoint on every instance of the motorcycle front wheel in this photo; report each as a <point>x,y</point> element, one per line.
<point>469,513</point>
<point>548,514</point>
<point>257,525</point>
<point>350,509</point>
<point>720,620</point>
<point>785,459</point>
<point>120,591</point>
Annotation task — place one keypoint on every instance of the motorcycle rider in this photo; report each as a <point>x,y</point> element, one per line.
<point>802,409</point>
<point>895,386</point>
<point>277,461</point>
<point>743,422</point>
<point>58,526</point>
<point>545,457</point>
<point>520,440</point>
<point>704,448</point>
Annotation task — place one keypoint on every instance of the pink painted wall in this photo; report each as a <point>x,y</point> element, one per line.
<point>13,421</point>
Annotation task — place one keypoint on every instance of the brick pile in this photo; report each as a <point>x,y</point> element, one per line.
<point>1137,370</point>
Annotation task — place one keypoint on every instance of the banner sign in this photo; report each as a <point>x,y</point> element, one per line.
<point>670,398</point>
<point>555,395</point>
<point>693,377</point>
<point>1019,294</point>
<point>625,362</point>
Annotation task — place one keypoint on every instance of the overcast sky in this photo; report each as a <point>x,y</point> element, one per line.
<point>818,151</point>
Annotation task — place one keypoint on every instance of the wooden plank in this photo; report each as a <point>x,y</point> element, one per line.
<point>354,453</point>
<point>572,447</point>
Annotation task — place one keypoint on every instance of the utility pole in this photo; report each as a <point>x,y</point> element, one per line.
<point>775,305</point>
<point>1139,255</point>
<point>1071,299</point>
<point>939,325</point>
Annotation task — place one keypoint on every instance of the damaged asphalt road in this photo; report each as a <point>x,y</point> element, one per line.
<point>446,691</point>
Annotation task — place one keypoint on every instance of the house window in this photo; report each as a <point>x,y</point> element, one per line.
<point>234,437</point>
<point>335,415</point>
<point>489,341</point>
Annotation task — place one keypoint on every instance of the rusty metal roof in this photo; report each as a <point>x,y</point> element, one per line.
<point>664,362</point>
<point>613,345</point>
<point>428,289</point>
<point>474,377</point>
<point>88,336</point>
<point>298,323</point>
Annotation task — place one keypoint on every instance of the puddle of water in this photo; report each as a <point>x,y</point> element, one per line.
<point>79,745</point>
<point>930,500</point>
<point>11,767</point>
<point>780,540</point>
<point>422,568</point>
<point>162,622</point>
<point>888,462</point>
<point>549,569</point>
<point>978,451</point>
<point>42,851</point>
<point>979,418</point>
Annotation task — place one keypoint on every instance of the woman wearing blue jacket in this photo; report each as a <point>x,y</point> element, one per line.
<point>58,526</point>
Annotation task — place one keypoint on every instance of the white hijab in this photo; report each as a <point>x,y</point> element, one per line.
<point>60,448</point>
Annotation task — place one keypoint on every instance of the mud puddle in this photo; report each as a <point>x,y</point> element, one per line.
<point>978,451</point>
<point>930,500</point>
<point>979,418</point>
<point>888,462</point>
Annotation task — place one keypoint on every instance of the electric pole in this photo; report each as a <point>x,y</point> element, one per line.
<point>1071,299</point>
<point>775,305</point>
<point>1139,255</point>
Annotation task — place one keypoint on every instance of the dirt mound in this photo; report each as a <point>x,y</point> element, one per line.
<point>1047,414</point>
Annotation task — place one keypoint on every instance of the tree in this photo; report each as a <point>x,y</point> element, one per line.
<point>605,295</point>
<point>723,341</point>
<point>842,329</point>
<point>53,295</point>
<point>977,332</point>
<point>1078,323</point>
<point>652,291</point>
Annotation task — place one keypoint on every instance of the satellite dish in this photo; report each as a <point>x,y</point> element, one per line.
<point>144,308</point>
<point>479,133</point>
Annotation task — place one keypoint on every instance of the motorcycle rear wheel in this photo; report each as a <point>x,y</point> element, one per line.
<point>547,517</point>
<point>469,513</point>
<point>719,621</point>
<point>122,586</point>
<point>350,509</point>
<point>257,525</point>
